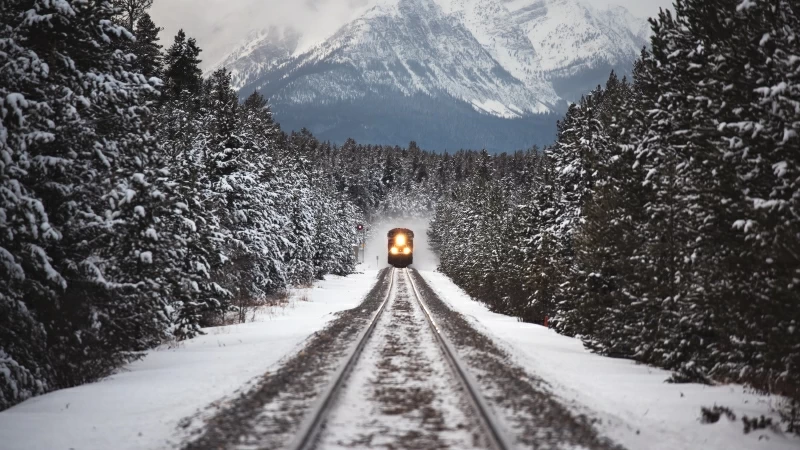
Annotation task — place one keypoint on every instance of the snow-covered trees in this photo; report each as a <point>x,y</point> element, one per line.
<point>485,230</point>
<point>663,225</point>
<point>146,48</point>
<point>78,177</point>
<point>182,68</point>
<point>129,215</point>
<point>755,94</point>
<point>138,201</point>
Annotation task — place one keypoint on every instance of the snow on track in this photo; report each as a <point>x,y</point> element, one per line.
<point>140,407</point>
<point>630,403</point>
<point>402,393</point>
<point>269,414</point>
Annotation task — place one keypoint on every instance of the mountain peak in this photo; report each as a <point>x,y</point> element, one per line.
<point>260,50</point>
<point>505,59</point>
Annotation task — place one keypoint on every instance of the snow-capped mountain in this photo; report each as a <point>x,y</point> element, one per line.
<point>261,50</point>
<point>577,43</point>
<point>447,73</point>
<point>571,34</point>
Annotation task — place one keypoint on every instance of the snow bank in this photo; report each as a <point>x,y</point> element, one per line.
<point>636,407</point>
<point>140,407</point>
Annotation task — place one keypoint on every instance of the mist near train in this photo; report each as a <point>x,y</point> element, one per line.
<point>376,255</point>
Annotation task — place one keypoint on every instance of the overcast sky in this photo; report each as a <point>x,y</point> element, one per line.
<point>219,25</point>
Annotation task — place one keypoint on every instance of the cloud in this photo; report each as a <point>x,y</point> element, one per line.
<point>219,25</point>
<point>639,8</point>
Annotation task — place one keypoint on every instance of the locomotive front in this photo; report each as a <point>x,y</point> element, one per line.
<point>401,247</point>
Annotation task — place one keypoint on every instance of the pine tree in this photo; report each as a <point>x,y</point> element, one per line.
<point>604,225</point>
<point>224,153</point>
<point>185,133</point>
<point>609,240</point>
<point>68,288</point>
<point>131,11</point>
<point>545,263</point>
<point>751,87</point>
<point>146,48</point>
<point>298,203</point>
<point>576,156</point>
<point>182,68</point>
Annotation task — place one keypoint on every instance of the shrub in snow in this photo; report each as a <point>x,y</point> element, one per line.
<point>713,414</point>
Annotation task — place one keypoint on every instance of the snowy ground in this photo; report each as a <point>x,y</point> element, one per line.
<point>140,407</point>
<point>637,408</point>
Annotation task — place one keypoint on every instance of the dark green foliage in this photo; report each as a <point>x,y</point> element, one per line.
<point>712,415</point>
<point>756,423</point>
<point>146,48</point>
<point>182,68</point>
<point>130,12</point>
<point>125,222</point>
<point>79,176</point>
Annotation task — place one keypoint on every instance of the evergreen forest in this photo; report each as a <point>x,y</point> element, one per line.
<point>664,224</point>
<point>141,201</point>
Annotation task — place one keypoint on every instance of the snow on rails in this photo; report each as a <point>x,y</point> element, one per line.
<point>339,419</point>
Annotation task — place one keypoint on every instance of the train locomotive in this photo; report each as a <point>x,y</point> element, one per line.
<point>401,247</point>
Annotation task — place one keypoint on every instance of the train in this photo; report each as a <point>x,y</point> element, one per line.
<point>401,247</point>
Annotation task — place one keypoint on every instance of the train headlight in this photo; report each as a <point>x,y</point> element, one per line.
<point>400,240</point>
<point>394,250</point>
<point>406,251</point>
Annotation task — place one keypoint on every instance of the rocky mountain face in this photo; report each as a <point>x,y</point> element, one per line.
<point>261,50</point>
<point>579,45</point>
<point>448,74</point>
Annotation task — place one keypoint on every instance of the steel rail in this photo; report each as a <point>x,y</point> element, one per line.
<point>309,431</point>
<point>308,434</point>
<point>494,431</point>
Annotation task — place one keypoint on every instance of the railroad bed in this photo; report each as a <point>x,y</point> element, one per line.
<point>401,386</point>
<point>387,375</point>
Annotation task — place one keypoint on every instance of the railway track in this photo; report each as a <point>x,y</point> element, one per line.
<point>401,294</point>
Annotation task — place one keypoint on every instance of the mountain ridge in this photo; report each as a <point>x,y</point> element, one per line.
<point>509,59</point>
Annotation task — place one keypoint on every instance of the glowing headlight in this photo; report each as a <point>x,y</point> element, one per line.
<point>406,251</point>
<point>400,240</point>
<point>394,250</point>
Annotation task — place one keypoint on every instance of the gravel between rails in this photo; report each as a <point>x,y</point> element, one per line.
<point>535,416</point>
<point>267,415</point>
<point>402,394</point>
